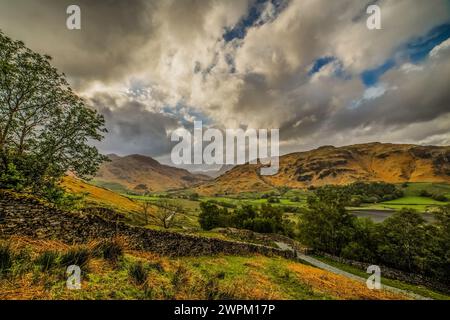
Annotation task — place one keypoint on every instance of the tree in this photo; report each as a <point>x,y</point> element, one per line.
<point>326,225</point>
<point>439,257</point>
<point>145,210</point>
<point>44,126</point>
<point>212,216</point>
<point>165,214</point>
<point>403,240</point>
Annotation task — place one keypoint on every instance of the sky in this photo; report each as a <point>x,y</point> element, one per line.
<point>311,68</point>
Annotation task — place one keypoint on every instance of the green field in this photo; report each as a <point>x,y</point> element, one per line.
<point>414,188</point>
<point>412,198</point>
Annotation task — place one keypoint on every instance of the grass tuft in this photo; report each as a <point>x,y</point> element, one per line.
<point>111,250</point>
<point>6,259</point>
<point>78,256</point>
<point>47,260</point>
<point>138,273</point>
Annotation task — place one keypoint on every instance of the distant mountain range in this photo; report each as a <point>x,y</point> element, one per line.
<point>141,173</point>
<point>392,163</point>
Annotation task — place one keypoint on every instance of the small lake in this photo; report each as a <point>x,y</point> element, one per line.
<point>378,216</point>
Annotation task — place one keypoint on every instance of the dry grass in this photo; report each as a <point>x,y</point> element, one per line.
<point>339,286</point>
<point>100,196</point>
<point>215,277</point>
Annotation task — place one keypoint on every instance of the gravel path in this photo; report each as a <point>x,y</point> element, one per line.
<point>324,266</point>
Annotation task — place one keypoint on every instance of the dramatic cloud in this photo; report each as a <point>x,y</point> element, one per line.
<point>309,67</point>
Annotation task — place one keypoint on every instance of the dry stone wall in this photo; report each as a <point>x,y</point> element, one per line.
<point>22,215</point>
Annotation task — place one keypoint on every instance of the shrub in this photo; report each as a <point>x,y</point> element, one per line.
<point>211,216</point>
<point>47,260</point>
<point>425,193</point>
<point>356,201</point>
<point>138,273</point>
<point>12,178</point>
<point>194,196</point>
<point>439,197</point>
<point>273,200</point>
<point>61,199</point>
<point>77,256</point>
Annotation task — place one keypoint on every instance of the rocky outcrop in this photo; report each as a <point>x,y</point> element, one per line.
<point>22,215</point>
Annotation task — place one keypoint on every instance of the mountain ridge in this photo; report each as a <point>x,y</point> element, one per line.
<point>142,173</point>
<point>388,162</point>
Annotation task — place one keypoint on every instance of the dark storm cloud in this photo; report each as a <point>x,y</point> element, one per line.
<point>111,31</point>
<point>132,129</point>
<point>172,53</point>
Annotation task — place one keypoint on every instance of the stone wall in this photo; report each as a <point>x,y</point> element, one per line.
<point>22,215</point>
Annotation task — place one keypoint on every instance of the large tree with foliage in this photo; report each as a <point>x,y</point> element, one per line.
<point>45,128</point>
<point>326,225</point>
<point>403,240</point>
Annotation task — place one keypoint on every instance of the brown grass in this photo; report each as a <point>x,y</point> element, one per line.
<point>184,278</point>
<point>339,286</point>
<point>100,196</point>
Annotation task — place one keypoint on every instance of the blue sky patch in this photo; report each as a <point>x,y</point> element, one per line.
<point>320,63</point>
<point>415,50</point>
<point>239,31</point>
<point>370,77</point>
<point>418,49</point>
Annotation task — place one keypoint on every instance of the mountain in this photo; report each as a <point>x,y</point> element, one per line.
<point>216,173</point>
<point>394,163</point>
<point>99,197</point>
<point>140,173</point>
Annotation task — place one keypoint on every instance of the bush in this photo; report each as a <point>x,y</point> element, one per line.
<point>291,209</point>
<point>355,251</point>
<point>439,197</point>
<point>77,256</point>
<point>356,201</point>
<point>211,216</point>
<point>425,193</point>
<point>261,225</point>
<point>11,178</point>
<point>47,260</point>
<point>138,273</point>
<point>273,200</point>
<point>57,195</point>
<point>194,196</point>
<point>373,199</point>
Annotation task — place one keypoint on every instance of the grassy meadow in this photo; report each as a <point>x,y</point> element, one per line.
<point>36,270</point>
